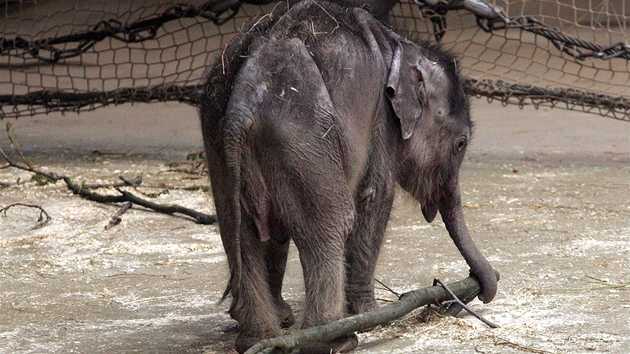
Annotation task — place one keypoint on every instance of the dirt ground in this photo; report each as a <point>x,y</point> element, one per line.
<point>546,194</point>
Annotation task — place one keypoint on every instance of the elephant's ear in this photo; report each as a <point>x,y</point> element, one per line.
<point>405,87</point>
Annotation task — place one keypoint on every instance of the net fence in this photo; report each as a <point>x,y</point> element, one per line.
<point>74,55</point>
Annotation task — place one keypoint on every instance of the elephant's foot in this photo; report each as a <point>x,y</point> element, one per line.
<point>338,345</point>
<point>247,339</point>
<point>359,305</point>
<point>244,342</point>
<point>362,305</point>
<point>284,312</point>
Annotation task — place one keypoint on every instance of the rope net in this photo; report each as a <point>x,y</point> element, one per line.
<point>71,55</point>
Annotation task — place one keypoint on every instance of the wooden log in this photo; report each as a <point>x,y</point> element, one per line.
<point>466,289</point>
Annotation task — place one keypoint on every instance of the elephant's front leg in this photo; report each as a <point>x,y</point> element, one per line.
<point>325,222</point>
<point>374,203</point>
<point>323,267</point>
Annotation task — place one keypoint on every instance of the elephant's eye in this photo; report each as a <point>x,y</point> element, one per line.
<point>460,144</point>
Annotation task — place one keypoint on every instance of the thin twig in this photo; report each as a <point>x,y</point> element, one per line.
<point>611,286</point>
<point>223,58</point>
<point>15,145</point>
<point>519,346</point>
<point>387,287</point>
<point>27,168</point>
<point>464,306</point>
<point>116,218</point>
<point>597,279</point>
<point>42,220</point>
<point>602,287</point>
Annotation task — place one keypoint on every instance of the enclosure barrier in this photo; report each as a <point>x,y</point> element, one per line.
<point>58,56</point>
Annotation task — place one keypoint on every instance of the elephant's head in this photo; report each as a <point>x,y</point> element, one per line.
<point>427,97</point>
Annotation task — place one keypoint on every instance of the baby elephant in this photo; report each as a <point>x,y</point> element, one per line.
<point>310,119</point>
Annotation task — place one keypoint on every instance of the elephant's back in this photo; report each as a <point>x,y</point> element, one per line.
<point>343,52</point>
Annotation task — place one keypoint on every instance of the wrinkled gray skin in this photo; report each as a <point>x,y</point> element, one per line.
<point>309,120</point>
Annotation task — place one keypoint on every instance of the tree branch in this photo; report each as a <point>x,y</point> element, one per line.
<point>468,288</point>
<point>85,190</point>
<point>200,218</point>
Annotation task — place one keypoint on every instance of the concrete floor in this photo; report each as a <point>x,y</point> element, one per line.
<point>546,195</point>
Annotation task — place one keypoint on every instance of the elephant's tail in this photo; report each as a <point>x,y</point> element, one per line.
<point>234,131</point>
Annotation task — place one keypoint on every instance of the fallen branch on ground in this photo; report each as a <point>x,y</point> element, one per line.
<point>466,289</point>
<point>135,182</point>
<point>85,190</point>
<point>42,220</point>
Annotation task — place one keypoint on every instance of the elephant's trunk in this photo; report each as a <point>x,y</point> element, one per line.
<point>450,207</point>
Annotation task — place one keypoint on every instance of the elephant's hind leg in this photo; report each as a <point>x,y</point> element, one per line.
<point>276,259</point>
<point>252,304</point>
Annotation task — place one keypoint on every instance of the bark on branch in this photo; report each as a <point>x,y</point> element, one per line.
<point>125,196</point>
<point>465,290</point>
